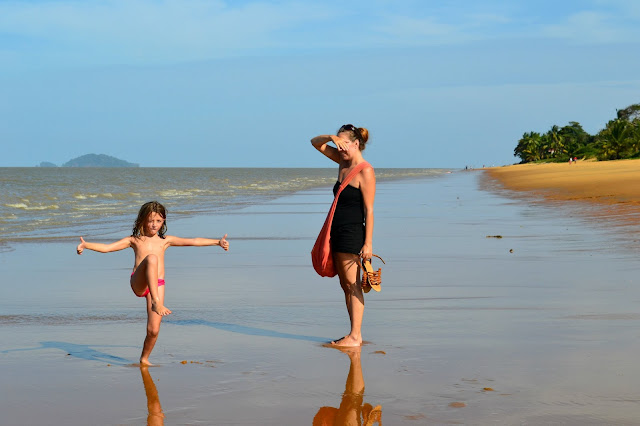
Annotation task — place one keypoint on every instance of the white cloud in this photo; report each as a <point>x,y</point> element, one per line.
<point>442,26</point>
<point>592,27</point>
<point>420,30</point>
<point>627,8</point>
<point>482,19</point>
<point>144,30</point>
<point>52,33</point>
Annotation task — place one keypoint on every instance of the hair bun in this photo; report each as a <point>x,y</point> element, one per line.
<point>364,133</point>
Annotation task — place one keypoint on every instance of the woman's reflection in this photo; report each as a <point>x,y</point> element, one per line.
<point>351,411</point>
<point>156,416</point>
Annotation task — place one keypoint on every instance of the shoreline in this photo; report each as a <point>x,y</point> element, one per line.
<point>602,182</point>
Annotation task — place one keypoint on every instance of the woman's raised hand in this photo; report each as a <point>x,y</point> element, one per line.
<point>341,144</point>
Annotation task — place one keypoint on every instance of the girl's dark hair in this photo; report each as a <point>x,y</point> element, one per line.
<point>356,133</point>
<point>143,214</point>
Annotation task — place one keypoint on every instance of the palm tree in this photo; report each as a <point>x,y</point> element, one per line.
<point>556,142</point>
<point>545,147</point>
<point>630,113</point>
<point>528,148</point>
<point>616,140</point>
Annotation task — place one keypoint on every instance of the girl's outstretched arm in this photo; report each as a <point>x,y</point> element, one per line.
<point>104,248</point>
<point>199,242</point>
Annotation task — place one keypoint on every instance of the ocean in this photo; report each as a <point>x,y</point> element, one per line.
<point>56,203</point>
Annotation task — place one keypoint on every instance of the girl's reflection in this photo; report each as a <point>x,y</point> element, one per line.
<point>156,416</point>
<point>351,411</point>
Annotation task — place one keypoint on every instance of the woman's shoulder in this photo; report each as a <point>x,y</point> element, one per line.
<point>368,171</point>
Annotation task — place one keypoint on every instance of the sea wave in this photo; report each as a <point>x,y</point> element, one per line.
<point>50,203</point>
<point>24,206</point>
<point>92,207</point>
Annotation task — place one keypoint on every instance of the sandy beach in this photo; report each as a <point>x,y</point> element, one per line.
<point>607,182</point>
<point>536,327</point>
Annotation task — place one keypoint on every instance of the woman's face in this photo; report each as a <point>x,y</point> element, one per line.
<point>352,146</point>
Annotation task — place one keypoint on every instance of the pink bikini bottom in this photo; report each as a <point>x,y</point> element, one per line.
<point>160,284</point>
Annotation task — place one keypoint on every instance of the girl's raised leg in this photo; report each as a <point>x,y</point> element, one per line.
<point>146,276</point>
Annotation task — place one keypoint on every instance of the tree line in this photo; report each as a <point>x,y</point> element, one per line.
<point>619,139</point>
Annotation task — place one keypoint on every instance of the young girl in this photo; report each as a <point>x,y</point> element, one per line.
<point>149,242</point>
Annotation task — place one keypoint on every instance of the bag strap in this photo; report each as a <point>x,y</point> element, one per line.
<point>327,223</point>
<point>357,169</point>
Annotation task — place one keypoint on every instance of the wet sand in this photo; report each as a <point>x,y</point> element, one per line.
<point>537,327</point>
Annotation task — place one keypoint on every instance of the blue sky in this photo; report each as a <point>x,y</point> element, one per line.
<point>198,83</point>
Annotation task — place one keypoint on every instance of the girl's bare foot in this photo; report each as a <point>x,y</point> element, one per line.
<point>347,341</point>
<point>145,362</point>
<point>160,309</point>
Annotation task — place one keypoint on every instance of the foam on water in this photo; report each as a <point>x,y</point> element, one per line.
<point>54,202</point>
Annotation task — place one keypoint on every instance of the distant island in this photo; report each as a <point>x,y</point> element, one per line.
<point>93,160</point>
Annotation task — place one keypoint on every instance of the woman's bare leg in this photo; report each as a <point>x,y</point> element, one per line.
<point>348,272</point>
<point>153,327</point>
<point>146,276</point>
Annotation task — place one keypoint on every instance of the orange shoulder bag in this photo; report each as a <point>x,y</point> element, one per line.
<point>321,255</point>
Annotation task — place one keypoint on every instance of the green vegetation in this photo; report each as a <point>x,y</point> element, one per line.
<point>619,139</point>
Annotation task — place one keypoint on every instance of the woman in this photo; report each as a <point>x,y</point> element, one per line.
<point>352,227</point>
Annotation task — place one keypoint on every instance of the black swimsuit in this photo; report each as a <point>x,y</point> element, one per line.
<point>347,228</point>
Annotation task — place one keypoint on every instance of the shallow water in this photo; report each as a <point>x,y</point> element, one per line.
<point>537,327</point>
<point>52,203</point>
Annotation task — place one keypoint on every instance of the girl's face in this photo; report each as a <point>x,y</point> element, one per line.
<point>153,224</point>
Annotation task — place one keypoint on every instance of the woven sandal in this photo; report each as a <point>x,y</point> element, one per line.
<point>371,279</point>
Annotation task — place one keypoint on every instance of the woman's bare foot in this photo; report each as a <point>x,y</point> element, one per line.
<point>144,362</point>
<point>160,309</point>
<point>353,352</point>
<point>347,341</point>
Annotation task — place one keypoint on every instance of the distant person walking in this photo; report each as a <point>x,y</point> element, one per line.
<point>352,226</point>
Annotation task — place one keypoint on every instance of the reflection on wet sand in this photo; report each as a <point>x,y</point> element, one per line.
<point>156,416</point>
<point>351,411</point>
